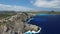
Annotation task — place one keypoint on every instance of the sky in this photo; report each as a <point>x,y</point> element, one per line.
<point>27,5</point>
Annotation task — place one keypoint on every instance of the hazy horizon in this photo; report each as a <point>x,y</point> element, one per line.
<point>27,5</point>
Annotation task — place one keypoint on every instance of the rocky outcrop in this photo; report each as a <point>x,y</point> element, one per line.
<point>16,25</point>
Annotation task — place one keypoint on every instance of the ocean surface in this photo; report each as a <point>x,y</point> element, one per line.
<point>50,23</point>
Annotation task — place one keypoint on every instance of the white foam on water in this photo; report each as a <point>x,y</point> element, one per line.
<point>30,20</point>
<point>34,32</point>
<point>37,31</point>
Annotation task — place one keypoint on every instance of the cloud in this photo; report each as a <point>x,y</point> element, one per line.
<point>31,1</point>
<point>47,3</point>
<point>14,8</point>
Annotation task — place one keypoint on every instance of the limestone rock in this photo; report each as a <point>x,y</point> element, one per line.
<point>16,24</point>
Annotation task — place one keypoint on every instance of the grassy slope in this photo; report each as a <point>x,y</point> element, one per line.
<point>5,15</point>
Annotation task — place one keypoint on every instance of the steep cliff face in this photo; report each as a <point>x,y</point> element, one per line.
<point>16,24</point>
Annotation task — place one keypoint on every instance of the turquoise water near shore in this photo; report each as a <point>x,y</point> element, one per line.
<point>50,23</point>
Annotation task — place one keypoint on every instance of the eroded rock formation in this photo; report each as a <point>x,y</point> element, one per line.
<point>16,25</point>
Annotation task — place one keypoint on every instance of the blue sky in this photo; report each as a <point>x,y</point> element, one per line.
<point>19,5</point>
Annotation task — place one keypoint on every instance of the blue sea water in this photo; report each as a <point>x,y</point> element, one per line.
<point>49,23</point>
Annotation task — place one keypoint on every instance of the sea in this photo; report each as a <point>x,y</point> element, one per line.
<point>50,23</point>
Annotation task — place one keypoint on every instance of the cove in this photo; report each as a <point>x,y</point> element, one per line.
<point>50,23</point>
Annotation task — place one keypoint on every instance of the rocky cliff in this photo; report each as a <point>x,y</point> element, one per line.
<point>16,24</point>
